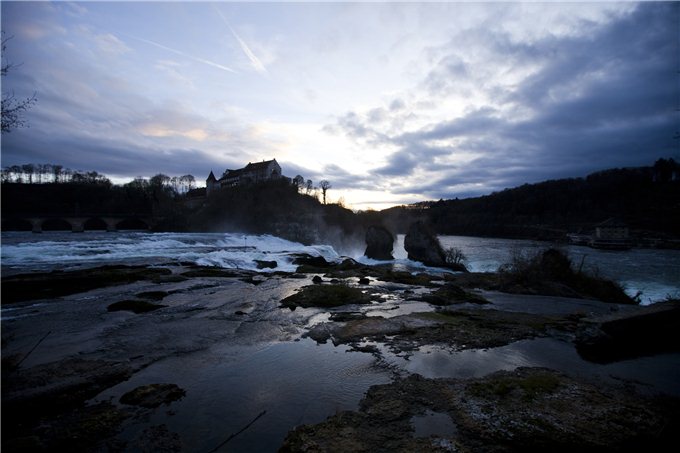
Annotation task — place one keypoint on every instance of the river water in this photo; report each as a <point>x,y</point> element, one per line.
<point>655,274</point>
<point>235,367</point>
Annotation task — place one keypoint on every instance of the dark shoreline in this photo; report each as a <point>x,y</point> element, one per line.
<point>50,388</point>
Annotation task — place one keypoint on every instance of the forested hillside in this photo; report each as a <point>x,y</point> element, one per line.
<point>645,198</point>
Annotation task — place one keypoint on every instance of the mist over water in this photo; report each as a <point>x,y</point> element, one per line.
<point>654,273</point>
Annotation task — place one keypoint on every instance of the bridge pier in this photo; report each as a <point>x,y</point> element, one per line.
<point>111,223</point>
<point>77,224</point>
<point>36,224</point>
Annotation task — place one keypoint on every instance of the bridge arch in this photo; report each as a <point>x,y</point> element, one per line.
<point>132,224</point>
<point>94,224</point>
<point>56,224</point>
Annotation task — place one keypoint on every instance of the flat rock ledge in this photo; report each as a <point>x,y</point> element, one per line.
<point>528,409</point>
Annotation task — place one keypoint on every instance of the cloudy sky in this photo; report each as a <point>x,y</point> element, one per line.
<point>392,103</point>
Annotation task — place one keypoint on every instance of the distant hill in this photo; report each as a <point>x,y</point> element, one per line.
<point>647,199</point>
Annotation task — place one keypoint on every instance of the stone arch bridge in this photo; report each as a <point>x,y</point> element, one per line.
<point>78,223</point>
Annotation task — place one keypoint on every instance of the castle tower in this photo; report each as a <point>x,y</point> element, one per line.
<point>210,183</point>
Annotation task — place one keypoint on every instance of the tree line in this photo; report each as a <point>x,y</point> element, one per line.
<point>49,173</point>
<point>58,174</point>
<point>307,187</point>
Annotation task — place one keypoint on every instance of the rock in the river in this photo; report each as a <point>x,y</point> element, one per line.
<point>422,245</point>
<point>647,331</point>
<point>261,264</point>
<point>379,243</point>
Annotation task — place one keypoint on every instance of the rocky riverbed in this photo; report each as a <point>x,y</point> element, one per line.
<point>334,357</point>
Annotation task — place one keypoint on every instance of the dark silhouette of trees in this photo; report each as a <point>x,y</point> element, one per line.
<point>324,185</point>
<point>48,174</point>
<point>299,182</point>
<point>12,107</point>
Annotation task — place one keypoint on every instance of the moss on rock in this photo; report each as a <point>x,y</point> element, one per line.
<point>326,296</point>
<point>153,395</point>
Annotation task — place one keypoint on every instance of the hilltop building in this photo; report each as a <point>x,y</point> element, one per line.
<point>251,173</point>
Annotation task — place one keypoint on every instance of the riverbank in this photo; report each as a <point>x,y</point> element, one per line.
<point>178,357</point>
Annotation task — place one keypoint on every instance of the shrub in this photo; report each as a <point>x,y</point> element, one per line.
<point>454,255</point>
<point>550,272</point>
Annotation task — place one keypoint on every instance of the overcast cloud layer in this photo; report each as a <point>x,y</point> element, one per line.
<point>392,103</point>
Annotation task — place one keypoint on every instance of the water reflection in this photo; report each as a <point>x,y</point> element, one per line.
<point>296,383</point>
<point>658,373</point>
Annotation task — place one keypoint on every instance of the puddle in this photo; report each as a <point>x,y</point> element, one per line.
<point>660,373</point>
<point>431,423</point>
<point>295,383</point>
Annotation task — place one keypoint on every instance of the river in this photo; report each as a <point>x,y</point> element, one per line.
<point>237,354</point>
<point>654,274</point>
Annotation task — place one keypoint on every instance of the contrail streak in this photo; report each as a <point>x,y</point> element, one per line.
<point>179,52</point>
<point>257,64</point>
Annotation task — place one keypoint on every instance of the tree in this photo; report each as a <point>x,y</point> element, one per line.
<point>298,182</point>
<point>12,108</point>
<point>159,180</point>
<point>187,182</point>
<point>324,185</point>
<point>309,187</point>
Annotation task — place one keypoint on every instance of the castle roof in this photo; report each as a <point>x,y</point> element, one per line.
<point>211,176</point>
<point>258,165</point>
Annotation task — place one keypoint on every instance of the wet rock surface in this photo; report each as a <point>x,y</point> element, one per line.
<point>23,287</point>
<point>153,395</point>
<point>529,409</point>
<point>326,296</point>
<point>135,306</point>
<point>650,330</point>
<point>62,352</point>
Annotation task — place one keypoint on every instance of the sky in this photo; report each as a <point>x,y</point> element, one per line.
<point>392,103</point>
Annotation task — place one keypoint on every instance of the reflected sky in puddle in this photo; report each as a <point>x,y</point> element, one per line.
<point>661,372</point>
<point>295,383</point>
<point>433,424</point>
<point>390,310</point>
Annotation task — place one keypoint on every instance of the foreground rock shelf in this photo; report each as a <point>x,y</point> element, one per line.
<point>83,353</point>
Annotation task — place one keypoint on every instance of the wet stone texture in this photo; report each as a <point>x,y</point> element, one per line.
<point>68,338</point>
<point>529,409</point>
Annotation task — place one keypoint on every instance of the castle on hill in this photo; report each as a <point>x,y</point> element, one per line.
<point>251,173</point>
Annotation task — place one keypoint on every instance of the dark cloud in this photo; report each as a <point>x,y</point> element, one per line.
<point>605,98</point>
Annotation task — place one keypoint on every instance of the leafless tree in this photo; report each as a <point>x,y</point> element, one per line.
<point>12,107</point>
<point>324,185</point>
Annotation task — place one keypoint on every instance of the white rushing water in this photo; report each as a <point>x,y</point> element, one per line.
<point>653,273</point>
<point>228,250</point>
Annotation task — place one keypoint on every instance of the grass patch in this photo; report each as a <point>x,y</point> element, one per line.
<point>326,296</point>
<point>406,278</point>
<point>526,387</point>
<point>453,294</point>
<point>135,306</point>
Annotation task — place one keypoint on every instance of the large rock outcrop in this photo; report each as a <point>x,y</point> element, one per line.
<point>645,331</point>
<point>422,245</point>
<point>379,243</point>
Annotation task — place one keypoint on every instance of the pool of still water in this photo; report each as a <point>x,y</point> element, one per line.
<point>227,388</point>
<point>660,373</point>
